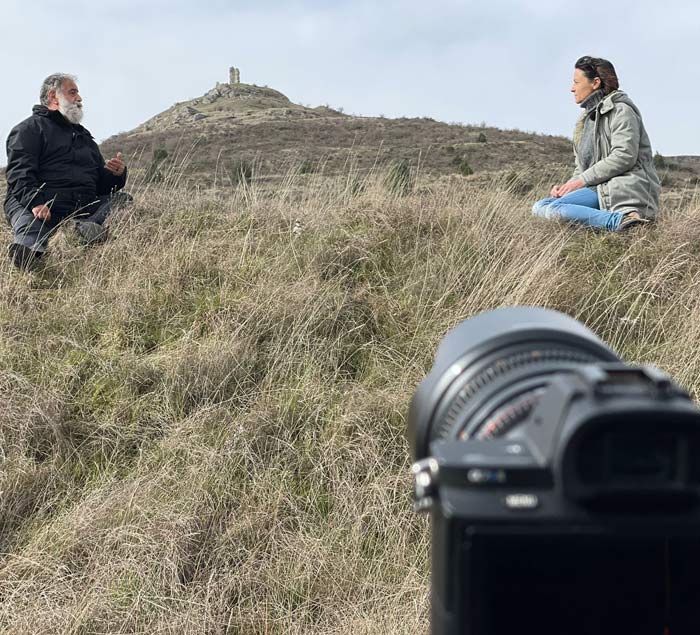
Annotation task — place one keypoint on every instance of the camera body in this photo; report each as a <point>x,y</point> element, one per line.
<point>563,485</point>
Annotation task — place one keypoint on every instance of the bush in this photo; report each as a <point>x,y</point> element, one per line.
<point>242,172</point>
<point>153,174</point>
<point>398,178</point>
<point>308,167</point>
<point>659,161</point>
<point>517,183</point>
<point>462,166</point>
<point>481,138</point>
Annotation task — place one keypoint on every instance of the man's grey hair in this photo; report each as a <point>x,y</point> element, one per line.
<point>53,82</point>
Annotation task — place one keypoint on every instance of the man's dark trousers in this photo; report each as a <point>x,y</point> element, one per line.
<point>34,233</point>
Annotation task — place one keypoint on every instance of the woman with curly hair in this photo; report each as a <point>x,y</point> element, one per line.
<point>615,185</point>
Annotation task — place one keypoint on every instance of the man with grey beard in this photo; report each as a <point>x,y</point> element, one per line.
<point>55,172</point>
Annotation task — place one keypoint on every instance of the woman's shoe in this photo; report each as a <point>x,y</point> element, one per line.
<point>631,219</point>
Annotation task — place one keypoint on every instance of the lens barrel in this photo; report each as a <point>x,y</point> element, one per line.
<point>490,371</point>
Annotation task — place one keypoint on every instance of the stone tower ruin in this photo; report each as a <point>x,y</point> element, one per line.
<point>234,75</point>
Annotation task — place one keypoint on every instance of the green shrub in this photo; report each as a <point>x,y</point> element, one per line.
<point>481,138</point>
<point>659,161</point>
<point>242,172</point>
<point>398,178</point>
<point>517,183</point>
<point>355,185</point>
<point>154,174</point>
<point>462,166</point>
<point>308,167</point>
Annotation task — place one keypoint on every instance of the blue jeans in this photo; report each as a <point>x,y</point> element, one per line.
<point>579,206</point>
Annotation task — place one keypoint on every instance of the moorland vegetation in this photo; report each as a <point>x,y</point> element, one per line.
<point>203,419</point>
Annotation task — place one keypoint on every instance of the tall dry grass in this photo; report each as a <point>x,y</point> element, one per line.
<point>203,419</point>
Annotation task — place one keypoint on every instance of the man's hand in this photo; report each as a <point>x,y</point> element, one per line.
<point>570,186</point>
<point>115,165</point>
<point>42,212</point>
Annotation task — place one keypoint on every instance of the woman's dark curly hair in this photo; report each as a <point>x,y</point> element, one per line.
<point>593,67</point>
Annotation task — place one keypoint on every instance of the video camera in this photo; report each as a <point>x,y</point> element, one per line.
<point>563,485</point>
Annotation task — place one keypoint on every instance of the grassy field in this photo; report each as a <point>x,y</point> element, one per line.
<point>203,421</point>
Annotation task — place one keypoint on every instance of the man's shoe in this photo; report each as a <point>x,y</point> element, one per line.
<point>122,199</point>
<point>23,257</point>
<point>90,233</point>
<point>631,219</point>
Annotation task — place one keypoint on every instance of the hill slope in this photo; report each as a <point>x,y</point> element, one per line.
<point>203,421</point>
<point>234,122</point>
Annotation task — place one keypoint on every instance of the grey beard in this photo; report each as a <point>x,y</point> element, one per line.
<point>72,112</point>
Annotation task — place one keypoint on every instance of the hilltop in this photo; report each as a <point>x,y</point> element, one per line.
<point>236,122</point>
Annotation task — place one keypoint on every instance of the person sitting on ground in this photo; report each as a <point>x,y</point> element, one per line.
<point>55,172</point>
<point>615,185</point>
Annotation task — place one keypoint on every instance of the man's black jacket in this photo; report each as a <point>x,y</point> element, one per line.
<point>49,158</point>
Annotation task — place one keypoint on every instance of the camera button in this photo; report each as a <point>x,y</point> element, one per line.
<point>521,501</point>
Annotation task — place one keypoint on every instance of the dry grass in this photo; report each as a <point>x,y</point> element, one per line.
<point>203,419</point>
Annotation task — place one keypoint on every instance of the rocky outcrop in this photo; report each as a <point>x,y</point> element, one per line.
<point>242,92</point>
<point>178,115</point>
<point>185,114</point>
<point>237,101</point>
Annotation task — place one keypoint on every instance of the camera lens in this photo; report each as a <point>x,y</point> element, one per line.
<point>491,371</point>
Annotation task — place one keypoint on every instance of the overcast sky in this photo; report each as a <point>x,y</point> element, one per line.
<point>505,63</point>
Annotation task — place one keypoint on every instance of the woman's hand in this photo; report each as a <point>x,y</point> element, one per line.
<point>570,186</point>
